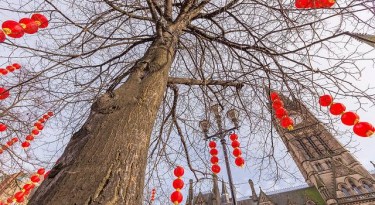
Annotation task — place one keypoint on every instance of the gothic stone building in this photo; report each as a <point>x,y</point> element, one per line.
<point>333,175</point>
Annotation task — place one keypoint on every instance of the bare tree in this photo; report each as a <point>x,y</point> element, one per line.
<point>150,70</point>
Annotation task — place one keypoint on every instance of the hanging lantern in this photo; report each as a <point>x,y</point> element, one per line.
<point>212,144</point>
<point>349,118</point>
<point>281,112</point>
<point>29,137</point>
<point>235,144</point>
<point>39,126</point>
<point>325,100</point>
<point>12,29</point>
<point>179,171</point>
<point>29,26</point>
<point>214,152</point>
<point>3,127</point>
<point>274,96</point>
<point>10,68</point>
<point>153,192</point>
<point>28,187</point>
<point>237,152</point>
<point>233,136</point>
<point>4,93</point>
<point>287,122</point>
<point>17,66</point>
<point>15,139</point>
<point>41,171</point>
<point>240,161</point>
<point>35,178</point>
<point>326,3</point>
<point>176,197</point>
<point>363,129</point>
<point>40,20</point>
<point>277,104</point>
<point>3,71</point>
<point>2,36</point>
<point>215,169</point>
<point>25,144</point>
<point>214,160</point>
<point>178,184</point>
<point>50,113</point>
<point>19,194</point>
<point>337,109</point>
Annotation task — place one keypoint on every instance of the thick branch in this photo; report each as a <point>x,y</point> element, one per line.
<point>190,81</point>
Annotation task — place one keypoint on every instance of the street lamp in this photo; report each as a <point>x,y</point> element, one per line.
<point>232,114</point>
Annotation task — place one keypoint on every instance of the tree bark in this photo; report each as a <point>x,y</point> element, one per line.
<point>105,161</point>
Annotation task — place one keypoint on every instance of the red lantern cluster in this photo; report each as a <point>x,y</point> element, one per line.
<point>280,112</point>
<point>314,4</point>
<point>153,192</point>
<point>178,184</point>
<point>25,25</point>
<point>4,93</point>
<point>8,144</point>
<point>215,168</point>
<point>38,126</point>
<point>10,68</point>
<point>237,153</point>
<point>362,129</point>
<point>20,196</point>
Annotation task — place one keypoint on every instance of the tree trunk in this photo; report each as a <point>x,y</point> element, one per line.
<point>105,161</point>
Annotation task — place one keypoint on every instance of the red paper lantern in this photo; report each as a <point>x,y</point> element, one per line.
<point>41,171</point>
<point>178,184</point>
<point>35,178</point>
<point>40,19</point>
<point>240,161</point>
<point>13,29</point>
<point>10,200</point>
<point>17,66</point>
<point>214,160</point>
<point>349,118</point>
<point>29,26</point>
<point>274,96</point>
<point>287,122</point>
<point>179,171</point>
<point>20,200</point>
<point>4,93</point>
<point>35,132</point>
<point>25,144</point>
<point>46,174</point>
<point>176,197</point>
<point>337,109</point>
<point>19,194</point>
<point>50,113</point>
<point>233,136</point>
<point>10,68</point>
<point>327,3</point>
<point>212,144</point>
<point>15,139</point>
<point>39,127</point>
<point>214,152</point>
<point>28,187</point>
<point>215,169</point>
<point>3,127</point>
<point>10,143</point>
<point>237,152</point>
<point>303,4</point>
<point>30,137</point>
<point>235,144</point>
<point>3,71</point>
<point>363,129</point>
<point>277,104</point>
<point>41,120</point>
<point>281,112</point>
<point>2,36</point>
<point>46,116</point>
<point>325,100</point>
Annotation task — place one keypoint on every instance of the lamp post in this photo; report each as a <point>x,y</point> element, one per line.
<point>232,114</point>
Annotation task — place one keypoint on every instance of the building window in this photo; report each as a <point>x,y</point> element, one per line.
<point>329,164</point>
<point>367,186</point>
<point>345,191</point>
<point>355,188</point>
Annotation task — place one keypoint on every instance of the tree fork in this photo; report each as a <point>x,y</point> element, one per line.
<point>104,162</point>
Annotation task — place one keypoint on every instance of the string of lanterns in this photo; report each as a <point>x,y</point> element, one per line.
<point>8,145</point>
<point>38,126</point>
<point>215,168</point>
<point>280,112</point>
<point>314,4</point>
<point>153,192</point>
<point>34,180</point>
<point>362,129</point>
<point>237,153</point>
<point>178,184</point>
<point>10,69</point>
<point>16,29</point>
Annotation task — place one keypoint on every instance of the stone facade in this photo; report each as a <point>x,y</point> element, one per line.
<point>333,175</point>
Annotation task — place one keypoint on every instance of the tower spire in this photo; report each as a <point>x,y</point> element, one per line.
<point>190,195</point>
<point>224,192</point>
<point>215,191</point>
<point>254,196</point>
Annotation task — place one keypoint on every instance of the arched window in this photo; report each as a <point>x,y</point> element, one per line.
<point>329,164</point>
<point>319,167</point>
<point>367,186</point>
<point>345,191</point>
<point>354,187</point>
